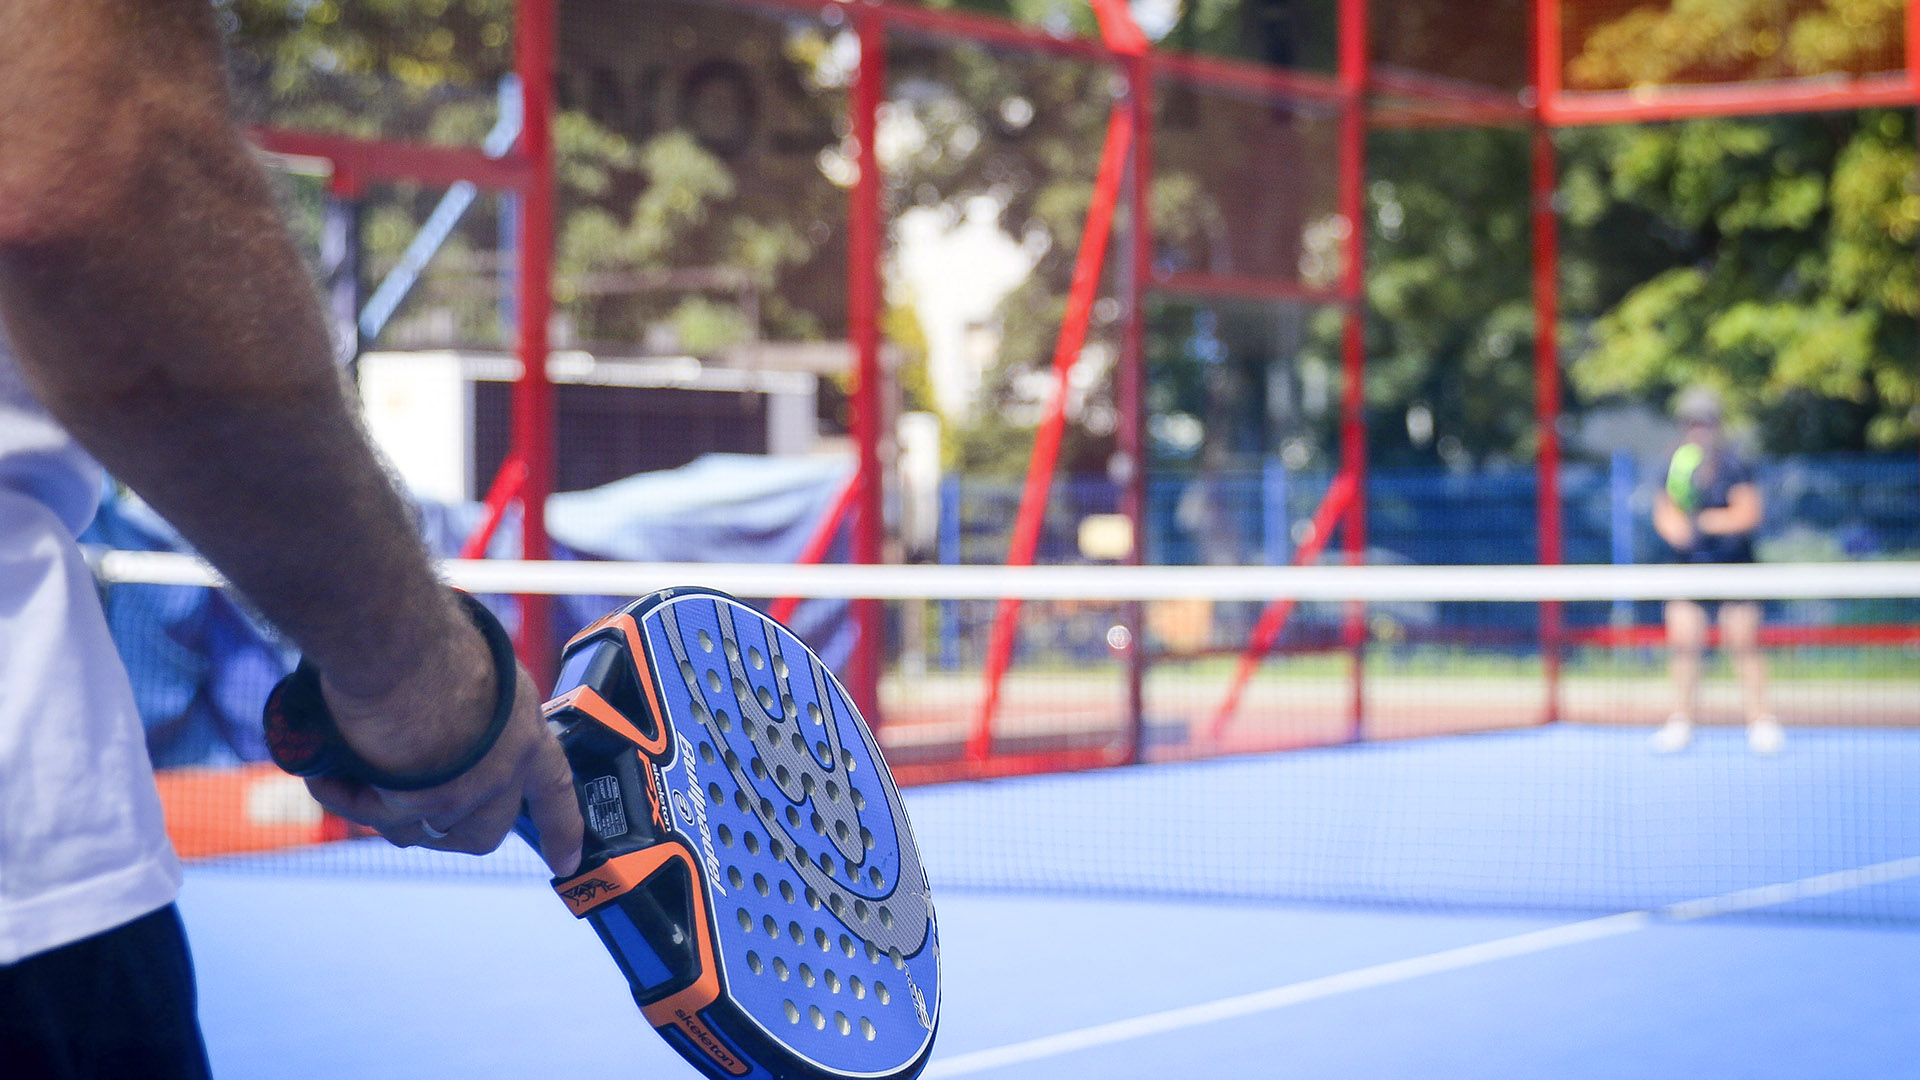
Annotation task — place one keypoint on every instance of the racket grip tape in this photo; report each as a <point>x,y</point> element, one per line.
<point>304,739</point>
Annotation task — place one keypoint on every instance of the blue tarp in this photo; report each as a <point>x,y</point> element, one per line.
<point>201,664</point>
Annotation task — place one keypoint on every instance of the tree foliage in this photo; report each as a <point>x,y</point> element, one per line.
<point>634,206</point>
<point>1706,41</point>
<point>1783,271</point>
<point>1770,257</point>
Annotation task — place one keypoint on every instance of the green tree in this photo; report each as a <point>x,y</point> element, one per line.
<point>1450,327</point>
<point>636,208</point>
<point>1780,266</point>
<point>1709,41</point>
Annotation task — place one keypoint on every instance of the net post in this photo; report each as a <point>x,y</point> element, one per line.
<point>1546,383</point>
<point>1353,78</point>
<point>863,328</point>
<point>1130,395</point>
<point>534,45</point>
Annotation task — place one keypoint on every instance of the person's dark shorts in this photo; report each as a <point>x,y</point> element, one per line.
<point>1730,554</point>
<point>1712,606</point>
<point>120,1004</point>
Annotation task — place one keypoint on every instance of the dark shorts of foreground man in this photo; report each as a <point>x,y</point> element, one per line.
<point>118,1004</point>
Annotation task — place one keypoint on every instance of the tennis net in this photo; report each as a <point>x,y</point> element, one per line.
<point>1475,737</point>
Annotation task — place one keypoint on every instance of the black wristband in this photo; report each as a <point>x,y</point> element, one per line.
<point>304,740</point>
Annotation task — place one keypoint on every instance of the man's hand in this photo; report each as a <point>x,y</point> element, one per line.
<point>428,719</point>
<point>1673,524</point>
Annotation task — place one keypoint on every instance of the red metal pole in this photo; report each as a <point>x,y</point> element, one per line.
<point>1913,52</point>
<point>1695,102</point>
<point>1545,41</point>
<point>507,486</point>
<point>1353,422</point>
<point>1273,618</point>
<point>816,547</point>
<point>1545,47</point>
<point>532,393</point>
<point>863,329</point>
<point>1130,393</point>
<point>1913,61</point>
<point>1546,389</point>
<point>370,161</point>
<point>1046,441</point>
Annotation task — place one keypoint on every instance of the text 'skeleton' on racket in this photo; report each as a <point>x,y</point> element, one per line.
<point>748,860</point>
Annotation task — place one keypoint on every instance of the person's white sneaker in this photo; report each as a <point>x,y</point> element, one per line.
<point>1674,735</point>
<point>1764,735</point>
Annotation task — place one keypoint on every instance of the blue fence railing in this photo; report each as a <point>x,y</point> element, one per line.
<point>1823,508</point>
<point>1818,508</point>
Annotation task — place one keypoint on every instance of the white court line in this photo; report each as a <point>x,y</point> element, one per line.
<point>1396,971</point>
<point>1769,895</point>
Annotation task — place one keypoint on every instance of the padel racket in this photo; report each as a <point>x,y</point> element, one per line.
<point>748,862</point>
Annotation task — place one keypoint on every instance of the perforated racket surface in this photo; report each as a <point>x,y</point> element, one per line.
<point>748,862</point>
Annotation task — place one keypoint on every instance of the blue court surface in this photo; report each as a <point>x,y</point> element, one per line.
<point>310,972</point>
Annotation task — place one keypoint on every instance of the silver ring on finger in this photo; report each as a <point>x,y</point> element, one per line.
<point>432,833</point>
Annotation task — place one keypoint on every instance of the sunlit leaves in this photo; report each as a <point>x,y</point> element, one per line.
<point>1793,278</point>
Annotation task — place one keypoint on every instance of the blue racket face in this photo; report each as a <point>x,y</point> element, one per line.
<point>822,924</point>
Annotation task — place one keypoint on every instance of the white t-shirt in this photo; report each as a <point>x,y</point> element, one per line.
<point>83,847</point>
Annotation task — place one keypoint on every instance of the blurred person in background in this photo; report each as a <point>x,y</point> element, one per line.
<point>161,323</point>
<point>1707,512</point>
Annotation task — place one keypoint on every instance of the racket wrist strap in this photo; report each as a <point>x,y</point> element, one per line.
<point>304,738</point>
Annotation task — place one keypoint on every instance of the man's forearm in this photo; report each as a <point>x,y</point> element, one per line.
<point>163,317</point>
<point>1741,514</point>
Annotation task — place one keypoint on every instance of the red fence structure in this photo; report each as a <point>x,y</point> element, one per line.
<point>1361,93</point>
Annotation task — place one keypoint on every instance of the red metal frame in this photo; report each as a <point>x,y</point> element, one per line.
<point>822,539</point>
<point>1568,109</point>
<point>1447,101</point>
<point>1559,107</point>
<point>1548,61</point>
<point>863,328</point>
<point>1404,98</point>
<point>376,160</point>
<point>1273,618</point>
<point>1771,636</point>
<point>1354,48</point>
<point>1125,122</point>
<point>533,442</point>
<point>1130,393</point>
<point>910,773</point>
<point>527,170</point>
<point>1545,182</point>
<point>1046,442</point>
<point>508,484</point>
<point>1913,51</point>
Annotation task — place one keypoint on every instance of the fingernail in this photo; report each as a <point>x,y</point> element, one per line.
<point>571,862</point>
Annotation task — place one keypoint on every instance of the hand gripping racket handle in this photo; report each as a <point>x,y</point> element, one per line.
<point>303,738</point>
<point>636,885</point>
